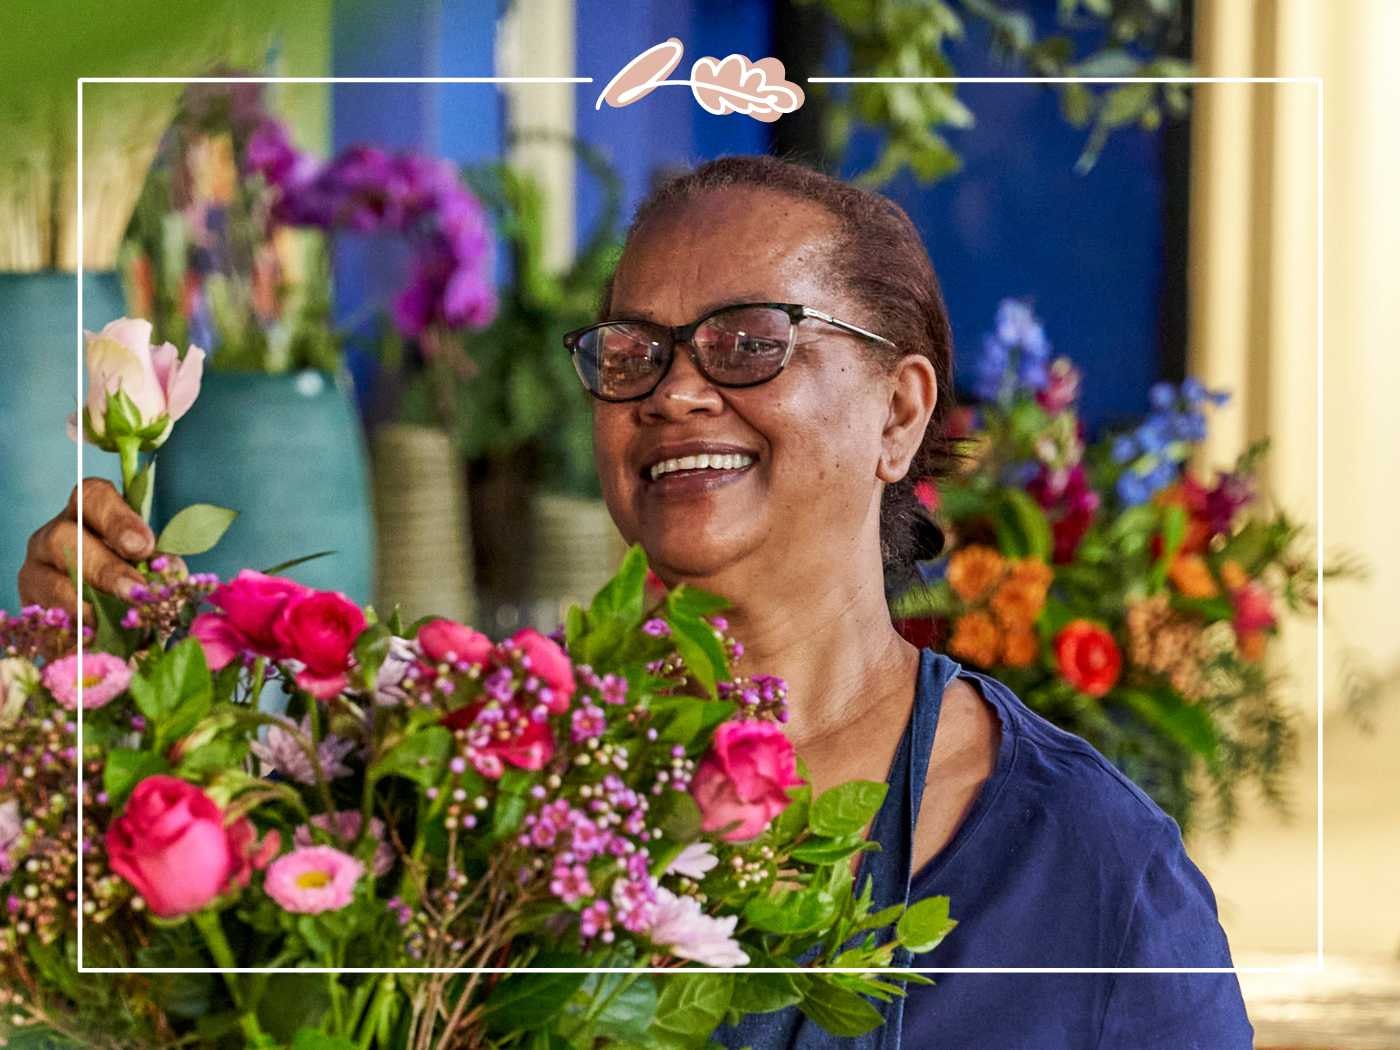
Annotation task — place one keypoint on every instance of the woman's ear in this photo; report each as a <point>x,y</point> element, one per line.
<point>913,394</point>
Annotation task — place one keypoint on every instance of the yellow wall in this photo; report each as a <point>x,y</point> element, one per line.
<point>1255,309</point>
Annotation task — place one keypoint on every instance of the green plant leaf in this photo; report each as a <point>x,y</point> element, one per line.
<point>621,598</point>
<point>283,566</point>
<point>762,993</point>
<point>314,1039</point>
<point>839,1011</point>
<point>1032,530</point>
<point>793,912</point>
<point>692,1005</point>
<point>125,768</point>
<point>925,924</point>
<point>195,529</point>
<point>847,808</point>
<point>174,690</point>
<point>529,1000</point>
<point>142,489</point>
<point>419,757</point>
<point>701,650</point>
<point>630,1013</point>
<point>822,850</point>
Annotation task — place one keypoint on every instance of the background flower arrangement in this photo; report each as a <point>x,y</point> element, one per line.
<point>1123,596</point>
<point>610,796</point>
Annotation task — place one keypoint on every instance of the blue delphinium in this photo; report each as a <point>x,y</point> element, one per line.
<point>1015,355</point>
<point>1159,446</point>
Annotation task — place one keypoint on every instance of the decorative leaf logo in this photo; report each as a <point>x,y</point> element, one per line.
<point>722,86</point>
<point>734,85</point>
<point>643,75</point>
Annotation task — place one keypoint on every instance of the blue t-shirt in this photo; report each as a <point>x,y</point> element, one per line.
<point>1061,862</point>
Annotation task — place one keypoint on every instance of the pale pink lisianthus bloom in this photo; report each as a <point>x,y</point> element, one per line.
<point>686,932</point>
<point>105,677</point>
<point>313,879</point>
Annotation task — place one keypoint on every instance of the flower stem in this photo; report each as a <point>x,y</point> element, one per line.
<point>212,931</point>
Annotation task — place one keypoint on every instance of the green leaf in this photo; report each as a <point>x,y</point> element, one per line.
<point>313,1039</point>
<point>692,1005</point>
<point>509,812</point>
<point>1187,725</point>
<point>822,850</point>
<point>925,924</point>
<point>1125,104</point>
<point>142,489</point>
<point>701,650</point>
<point>839,1011</point>
<point>630,1013</point>
<point>847,808</point>
<point>195,529</point>
<point>792,821</point>
<point>529,1000</point>
<point>125,768</point>
<point>108,609</point>
<point>677,815</point>
<point>574,626</point>
<point>622,597</point>
<point>283,566</point>
<point>762,993</point>
<point>1032,528</point>
<point>685,600</point>
<point>804,911</point>
<point>1173,534</point>
<point>419,757</point>
<point>370,650</point>
<point>174,691</point>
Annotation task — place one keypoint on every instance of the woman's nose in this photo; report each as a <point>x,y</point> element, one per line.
<point>683,390</point>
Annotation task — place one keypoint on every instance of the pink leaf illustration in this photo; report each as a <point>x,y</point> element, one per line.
<point>734,85</point>
<point>642,75</point>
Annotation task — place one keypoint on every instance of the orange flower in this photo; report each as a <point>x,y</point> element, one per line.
<point>1191,575</point>
<point>975,570</point>
<point>1017,604</point>
<point>1252,645</point>
<point>1019,648</point>
<point>1032,571</point>
<point>975,639</point>
<point>1233,575</point>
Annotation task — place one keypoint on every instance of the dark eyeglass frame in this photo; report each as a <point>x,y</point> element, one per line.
<point>684,333</point>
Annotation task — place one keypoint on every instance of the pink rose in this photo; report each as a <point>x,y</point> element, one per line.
<point>744,780</point>
<point>550,664</point>
<point>524,743</point>
<point>319,629</point>
<point>172,845</point>
<point>446,641</point>
<point>160,384</point>
<point>252,603</point>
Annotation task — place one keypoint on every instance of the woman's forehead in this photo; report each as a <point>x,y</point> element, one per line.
<point>725,247</point>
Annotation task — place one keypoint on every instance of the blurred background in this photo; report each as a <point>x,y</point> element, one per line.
<point>382,274</point>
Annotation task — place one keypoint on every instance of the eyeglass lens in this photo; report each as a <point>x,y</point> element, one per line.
<point>737,347</point>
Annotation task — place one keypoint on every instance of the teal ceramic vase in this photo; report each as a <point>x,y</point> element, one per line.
<point>287,453</point>
<point>38,390</point>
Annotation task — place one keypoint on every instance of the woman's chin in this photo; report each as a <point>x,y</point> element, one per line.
<point>683,555</point>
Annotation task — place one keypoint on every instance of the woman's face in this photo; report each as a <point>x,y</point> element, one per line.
<point>815,433</point>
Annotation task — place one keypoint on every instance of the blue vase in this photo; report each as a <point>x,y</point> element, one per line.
<point>38,391</point>
<point>287,453</point>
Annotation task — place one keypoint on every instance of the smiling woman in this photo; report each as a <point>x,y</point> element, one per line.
<point>771,372</point>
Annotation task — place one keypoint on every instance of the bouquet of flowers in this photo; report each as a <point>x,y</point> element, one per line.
<point>612,797</point>
<point>1123,596</point>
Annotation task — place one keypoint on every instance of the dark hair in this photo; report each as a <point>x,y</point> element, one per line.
<point>881,261</point>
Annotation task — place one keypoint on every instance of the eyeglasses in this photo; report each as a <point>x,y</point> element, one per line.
<point>735,346</point>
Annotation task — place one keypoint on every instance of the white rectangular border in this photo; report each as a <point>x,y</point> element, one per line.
<point>1320,958</point>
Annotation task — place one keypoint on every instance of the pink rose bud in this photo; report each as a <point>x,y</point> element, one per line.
<point>550,663</point>
<point>449,641</point>
<point>171,844</point>
<point>160,385</point>
<point>319,629</point>
<point>742,784</point>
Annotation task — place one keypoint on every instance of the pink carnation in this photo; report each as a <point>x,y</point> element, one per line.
<point>313,879</point>
<point>105,677</point>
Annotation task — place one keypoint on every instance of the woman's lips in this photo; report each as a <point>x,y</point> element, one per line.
<point>680,483</point>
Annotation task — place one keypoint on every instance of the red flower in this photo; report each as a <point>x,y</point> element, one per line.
<point>1088,657</point>
<point>550,664</point>
<point>319,629</point>
<point>525,744</point>
<point>446,641</point>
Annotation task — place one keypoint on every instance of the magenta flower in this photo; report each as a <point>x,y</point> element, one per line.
<point>313,879</point>
<point>682,929</point>
<point>105,677</point>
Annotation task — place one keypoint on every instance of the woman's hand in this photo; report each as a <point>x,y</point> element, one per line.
<point>113,536</point>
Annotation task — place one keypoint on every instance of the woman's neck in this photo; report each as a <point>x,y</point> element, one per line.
<point>830,637</point>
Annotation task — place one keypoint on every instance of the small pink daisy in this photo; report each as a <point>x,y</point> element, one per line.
<point>313,879</point>
<point>105,677</point>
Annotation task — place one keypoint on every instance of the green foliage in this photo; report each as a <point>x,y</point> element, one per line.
<point>174,691</point>
<point>915,38</point>
<point>195,529</point>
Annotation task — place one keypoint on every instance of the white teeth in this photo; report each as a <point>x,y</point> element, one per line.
<point>704,461</point>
